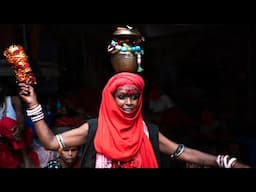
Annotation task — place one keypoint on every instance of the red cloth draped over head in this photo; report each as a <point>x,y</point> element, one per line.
<point>118,136</point>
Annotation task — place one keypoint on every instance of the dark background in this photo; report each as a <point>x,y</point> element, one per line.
<point>217,60</point>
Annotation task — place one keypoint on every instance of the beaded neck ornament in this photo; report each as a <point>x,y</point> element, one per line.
<point>127,39</point>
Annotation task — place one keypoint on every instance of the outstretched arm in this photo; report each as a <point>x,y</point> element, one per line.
<point>195,156</point>
<point>74,137</point>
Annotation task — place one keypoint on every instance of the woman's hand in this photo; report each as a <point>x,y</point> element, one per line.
<point>28,95</point>
<point>237,164</point>
<point>225,161</point>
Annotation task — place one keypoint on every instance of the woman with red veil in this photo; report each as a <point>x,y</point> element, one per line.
<point>119,137</point>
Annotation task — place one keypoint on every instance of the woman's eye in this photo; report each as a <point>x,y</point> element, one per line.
<point>121,96</point>
<point>135,96</point>
<point>124,96</point>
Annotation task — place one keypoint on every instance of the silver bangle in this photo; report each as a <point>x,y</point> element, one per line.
<point>38,117</point>
<point>60,141</point>
<point>35,111</point>
<point>178,151</point>
<point>36,114</point>
<point>224,161</point>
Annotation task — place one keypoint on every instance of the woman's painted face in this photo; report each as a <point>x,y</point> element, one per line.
<point>127,98</point>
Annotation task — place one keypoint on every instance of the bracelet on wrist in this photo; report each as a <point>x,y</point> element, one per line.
<point>225,161</point>
<point>36,113</point>
<point>33,106</point>
<point>178,151</point>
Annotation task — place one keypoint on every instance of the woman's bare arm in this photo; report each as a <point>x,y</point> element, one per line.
<point>192,155</point>
<point>74,137</point>
<point>188,155</point>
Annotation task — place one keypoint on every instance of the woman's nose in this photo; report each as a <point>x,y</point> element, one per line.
<point>128,100</point>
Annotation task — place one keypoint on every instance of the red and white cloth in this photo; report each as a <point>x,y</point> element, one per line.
<point>120,137</point>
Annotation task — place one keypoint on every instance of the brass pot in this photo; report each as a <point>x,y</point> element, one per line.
<point>124,32</point>
<point>124,62</point>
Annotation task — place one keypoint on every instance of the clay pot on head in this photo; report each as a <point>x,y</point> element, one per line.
<point>124,62</point>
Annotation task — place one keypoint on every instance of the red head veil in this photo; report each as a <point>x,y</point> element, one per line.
<point>119,137</point>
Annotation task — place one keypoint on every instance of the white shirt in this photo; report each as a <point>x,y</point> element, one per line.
<point>10,111</point>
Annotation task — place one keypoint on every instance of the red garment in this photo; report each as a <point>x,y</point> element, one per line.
<point>8,157</point>
<point>11,159</point>
<point>7,128</point>
<point>118,137</point>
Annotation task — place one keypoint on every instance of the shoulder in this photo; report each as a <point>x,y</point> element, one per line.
<point>92,121</point>
<point>151,125</point>
<point>152,128</point>
<point>92,126</point>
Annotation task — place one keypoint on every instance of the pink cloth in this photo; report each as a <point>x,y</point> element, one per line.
<point>121,137</point>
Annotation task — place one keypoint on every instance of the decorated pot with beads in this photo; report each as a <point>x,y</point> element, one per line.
<point>124,61</point>
<point>125,50</point>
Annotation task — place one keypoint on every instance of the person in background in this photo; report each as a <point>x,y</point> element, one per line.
<point>64,116</point>
<point>15,138</point>
<point>68,157</point>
